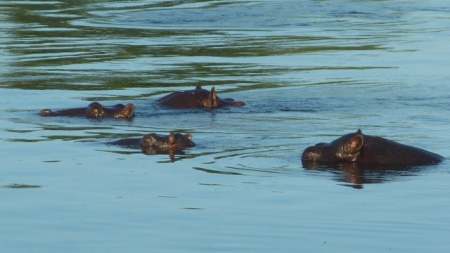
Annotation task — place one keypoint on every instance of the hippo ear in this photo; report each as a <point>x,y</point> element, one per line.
<point>351,148</point>
<point>189,136</point>
<point>355,144</point>
<point>172,138</point>
<point>213,92</point>
<point>213,97</point>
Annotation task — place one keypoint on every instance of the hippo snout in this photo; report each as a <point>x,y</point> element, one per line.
<point>45,112</point>
<point>311,154</point>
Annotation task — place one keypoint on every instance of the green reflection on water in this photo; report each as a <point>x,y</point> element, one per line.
<point>51,51</point>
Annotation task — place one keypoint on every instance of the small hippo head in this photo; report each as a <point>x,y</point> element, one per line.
<point>126,112</point>
<point>153,143</point>
<point>95,110</point>
<point>344,149</point>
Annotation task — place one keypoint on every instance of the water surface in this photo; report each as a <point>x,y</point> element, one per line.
<point>309,72</point>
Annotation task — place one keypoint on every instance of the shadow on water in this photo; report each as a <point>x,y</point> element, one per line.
<point>356,176</point>
<point>21,186</point>
<point>212,171</point>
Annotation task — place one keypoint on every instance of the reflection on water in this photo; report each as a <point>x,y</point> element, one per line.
<point>306,70</point>
<point>72,45</point>
<point>357,175</point>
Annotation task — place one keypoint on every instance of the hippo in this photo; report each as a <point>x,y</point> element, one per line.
<point>197,98</point>
<point>150,144</point>
<point>368,151</point>
<point>94,111</point>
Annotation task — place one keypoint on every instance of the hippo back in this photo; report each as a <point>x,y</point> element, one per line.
<point>381,151</point>
<point>184,99</point>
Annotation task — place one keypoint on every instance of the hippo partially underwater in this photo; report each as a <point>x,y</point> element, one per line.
<point>150,144</point>
<point>94,111</point>
<point>369,151</point>
<point>197,98</point>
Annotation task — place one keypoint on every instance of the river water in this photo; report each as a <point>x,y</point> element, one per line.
<point>309,72</point>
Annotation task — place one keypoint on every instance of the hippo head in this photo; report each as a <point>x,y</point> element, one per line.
<point>150,142</point>
<point>153,143</point>
<point>95,110</point>
<point>126,112</point>
<point>344,149</point>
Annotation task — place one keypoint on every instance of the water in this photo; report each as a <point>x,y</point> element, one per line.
<point>309,72</point>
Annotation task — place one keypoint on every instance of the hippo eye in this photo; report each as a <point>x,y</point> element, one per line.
<point>347,149</point>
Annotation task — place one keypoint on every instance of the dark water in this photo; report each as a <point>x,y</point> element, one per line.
<point>309,71</point>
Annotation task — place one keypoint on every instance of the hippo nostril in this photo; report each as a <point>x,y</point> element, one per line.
<point>311,154</point>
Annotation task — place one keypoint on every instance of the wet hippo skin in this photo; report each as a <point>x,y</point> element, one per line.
<point>197,98</point>
<point>367,150</point>
<point>94,111</point>
<point>174,143</point>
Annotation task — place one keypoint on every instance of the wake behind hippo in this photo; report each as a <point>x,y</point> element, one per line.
<point>367,150</point>
<point>150,144</point>
<point>197,98</point>
<point>94,111</point>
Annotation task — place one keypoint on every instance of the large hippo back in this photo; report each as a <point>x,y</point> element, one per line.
<point>377,150</point>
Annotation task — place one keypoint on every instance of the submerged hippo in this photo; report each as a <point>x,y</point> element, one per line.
<point>197,98</point>
<point>94,111</point>
<point>171,144</point>
<point>369,151</point>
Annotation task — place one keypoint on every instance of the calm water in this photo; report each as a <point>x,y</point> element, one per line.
<point>309,71</point>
